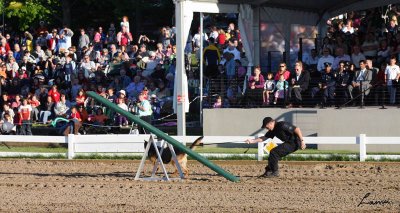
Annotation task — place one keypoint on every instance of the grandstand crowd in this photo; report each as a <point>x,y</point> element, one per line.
<point>46,72</point>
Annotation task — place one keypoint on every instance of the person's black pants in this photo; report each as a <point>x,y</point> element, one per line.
<point>148,120</point>
<point>278,152</point>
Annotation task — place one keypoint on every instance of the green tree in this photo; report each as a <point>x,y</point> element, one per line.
<point>25,13</point>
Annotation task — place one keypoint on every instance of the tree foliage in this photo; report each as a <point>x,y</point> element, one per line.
<point>25,13</point>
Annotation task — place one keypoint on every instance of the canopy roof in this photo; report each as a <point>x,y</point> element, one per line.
<point>320,7</point>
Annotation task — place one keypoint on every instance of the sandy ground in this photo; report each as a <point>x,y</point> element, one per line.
<point>109,186</point>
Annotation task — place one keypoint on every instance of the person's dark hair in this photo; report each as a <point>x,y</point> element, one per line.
<point>211,40</point>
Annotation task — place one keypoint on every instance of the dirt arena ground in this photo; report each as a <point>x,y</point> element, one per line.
<point>109,186</point>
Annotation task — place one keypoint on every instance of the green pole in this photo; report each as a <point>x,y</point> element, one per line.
<point>164,136</point>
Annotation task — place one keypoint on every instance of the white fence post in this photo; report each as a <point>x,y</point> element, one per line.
<point>260,149</point>
<point>71,146</point>
<point>363,147</point>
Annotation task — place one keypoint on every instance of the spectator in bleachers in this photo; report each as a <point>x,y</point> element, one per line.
<point>269,88</point>
<point>343,80</point>
<point>24,112</point>
<point>298,85</point>
<point>357,56</point>
<point>232,49</point>
<point>383,52</point>
<point>392,75</point>
<point>212,58</point>
<point>326,87</point>
<point>340,56</point>
<point>370,46</point>
<point>325,58</point>
<point>361,81</point>
<point>282,71</point>
<point>281,89</point>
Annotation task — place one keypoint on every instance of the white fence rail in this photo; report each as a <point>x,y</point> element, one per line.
<point>127,143</point>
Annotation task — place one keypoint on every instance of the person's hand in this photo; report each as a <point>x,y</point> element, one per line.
<point>249,141</point>
<point>303,145</point>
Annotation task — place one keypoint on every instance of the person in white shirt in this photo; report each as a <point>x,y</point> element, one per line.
<point>392,75</point>
<point>357,56</point>
<point>370,46</point>
<point>340,56</point>
<point>326,58</point>
<point>312,59</point>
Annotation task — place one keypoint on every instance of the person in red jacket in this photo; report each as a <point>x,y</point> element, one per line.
<point>54,94</point>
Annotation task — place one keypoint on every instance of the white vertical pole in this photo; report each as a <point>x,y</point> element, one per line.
<point>201,69</point>
<point>71,146</point>
<point>180,65</point>
<point>363,147</point>
<point>260,150</point>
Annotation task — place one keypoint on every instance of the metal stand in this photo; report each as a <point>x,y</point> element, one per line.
<point>159,161</point>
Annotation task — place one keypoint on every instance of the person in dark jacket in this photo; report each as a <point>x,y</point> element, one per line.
<point>290,135</point>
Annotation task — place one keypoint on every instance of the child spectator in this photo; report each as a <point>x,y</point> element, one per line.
<point>124,22</point>
<point>269,88</point>
<point>34,102</point>
<point>218,102</point>
<point>75,115</point>
<point>99,118</point>
<point>7,127</point>
<point>80,98</point>
<point>281,88</point>
<point>24,112</point>
<point>120,119</point>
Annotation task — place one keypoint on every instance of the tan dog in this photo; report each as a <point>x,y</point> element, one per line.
<point>167,156</point>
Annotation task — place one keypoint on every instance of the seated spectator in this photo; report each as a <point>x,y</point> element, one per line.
<point>99,118</point>
<point>370,46</point>
<point>343,80</point>
<point>282,71</point>
<point>80,98</point>
<point>269,88</point>
<point>74,115</point>
<point>383,53</point>
<point>83,113</point>
<point>326,87</point>
<point>34,102</point>
<point>254,93</point>
<point>326,58</point>
<point>151,63</point>
<point>280,89</point>
<point>299,84</point>
<point>7,126</point>
<point>357,56</point>
<point>340,56</point>
<point>218,102</point>
<point>47,110</point>
<point>135,87</point>
<point>361,81</point>
<point>61,108</point>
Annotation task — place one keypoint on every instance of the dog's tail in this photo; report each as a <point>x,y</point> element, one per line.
<point>196,143</point>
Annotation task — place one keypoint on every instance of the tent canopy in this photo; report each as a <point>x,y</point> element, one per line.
<point>331,7</point>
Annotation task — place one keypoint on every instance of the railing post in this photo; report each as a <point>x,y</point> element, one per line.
<point>71,146</point>
<point>363,147</point>
<point>260,155</point>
